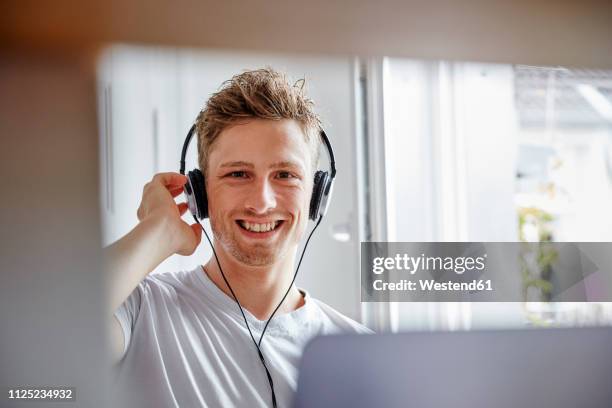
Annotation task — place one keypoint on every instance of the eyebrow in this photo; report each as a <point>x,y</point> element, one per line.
<point>237,164</point>
<point>286,164</point>
<point>278,165</point>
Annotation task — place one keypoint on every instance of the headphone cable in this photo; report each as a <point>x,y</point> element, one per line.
<point>258,344</point>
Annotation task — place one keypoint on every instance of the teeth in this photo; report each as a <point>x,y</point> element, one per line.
<point>259,227</point>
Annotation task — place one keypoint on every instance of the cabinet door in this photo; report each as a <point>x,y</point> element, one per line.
<point>126,129</point>
<point>167,132</point>
<point>105,102</point>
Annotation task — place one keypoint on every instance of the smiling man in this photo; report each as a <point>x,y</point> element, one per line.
<point>180,338</point>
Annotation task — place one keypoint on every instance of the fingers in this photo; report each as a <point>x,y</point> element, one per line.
<point>176,191</point>
<point>182,207</point>
<point>171,179</point>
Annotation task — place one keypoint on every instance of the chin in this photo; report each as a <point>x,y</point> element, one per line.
<point>254,260</point>
<point>253,256</point>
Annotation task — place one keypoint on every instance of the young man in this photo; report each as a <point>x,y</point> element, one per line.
<point>180,338</point>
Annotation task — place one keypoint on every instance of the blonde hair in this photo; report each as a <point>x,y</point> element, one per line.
<point>262,93</point>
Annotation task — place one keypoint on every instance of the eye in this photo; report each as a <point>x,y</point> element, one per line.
<point>285,175</point>
<point>237,174</point>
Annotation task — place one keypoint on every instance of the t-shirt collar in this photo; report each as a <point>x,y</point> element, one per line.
<point>229,304</point>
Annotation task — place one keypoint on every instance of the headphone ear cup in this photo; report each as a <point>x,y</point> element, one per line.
<point>318,189</point>
<point>197,200</point>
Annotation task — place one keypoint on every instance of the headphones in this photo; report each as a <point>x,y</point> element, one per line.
<point>197,200</point>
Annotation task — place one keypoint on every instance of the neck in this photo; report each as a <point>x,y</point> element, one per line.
<point>258,288</point>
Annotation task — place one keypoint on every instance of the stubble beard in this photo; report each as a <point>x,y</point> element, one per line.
<point>255,255</point>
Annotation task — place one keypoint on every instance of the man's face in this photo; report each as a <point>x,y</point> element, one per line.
<point>259,182</point>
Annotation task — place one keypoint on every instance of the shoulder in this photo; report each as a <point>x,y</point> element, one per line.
<point>174,278</point>
<point>337,322</point>
<point>166,284</point>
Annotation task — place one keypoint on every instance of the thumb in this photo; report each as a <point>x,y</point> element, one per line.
<point>197,230</point>
<point>194,241</point>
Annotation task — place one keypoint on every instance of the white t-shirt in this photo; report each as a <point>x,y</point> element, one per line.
<point>186,345</point>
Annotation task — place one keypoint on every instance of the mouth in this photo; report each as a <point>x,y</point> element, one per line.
<point>259,230</point>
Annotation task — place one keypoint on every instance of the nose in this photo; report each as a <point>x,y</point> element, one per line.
<point>261,197</point>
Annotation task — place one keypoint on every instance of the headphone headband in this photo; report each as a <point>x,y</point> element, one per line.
<point>186,146</point>
<point>197,199</point>
<point>330,151</point>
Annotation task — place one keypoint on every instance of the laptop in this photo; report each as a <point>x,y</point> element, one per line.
<point>539,368</point>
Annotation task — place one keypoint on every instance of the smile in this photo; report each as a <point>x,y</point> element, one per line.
<point>259,227</point>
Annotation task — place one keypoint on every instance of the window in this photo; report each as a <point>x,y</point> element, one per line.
<point>490,152</point>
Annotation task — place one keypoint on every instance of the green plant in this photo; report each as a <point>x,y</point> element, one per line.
<point>537,258</point>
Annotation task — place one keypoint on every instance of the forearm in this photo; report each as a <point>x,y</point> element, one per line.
<point>130,259</point>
